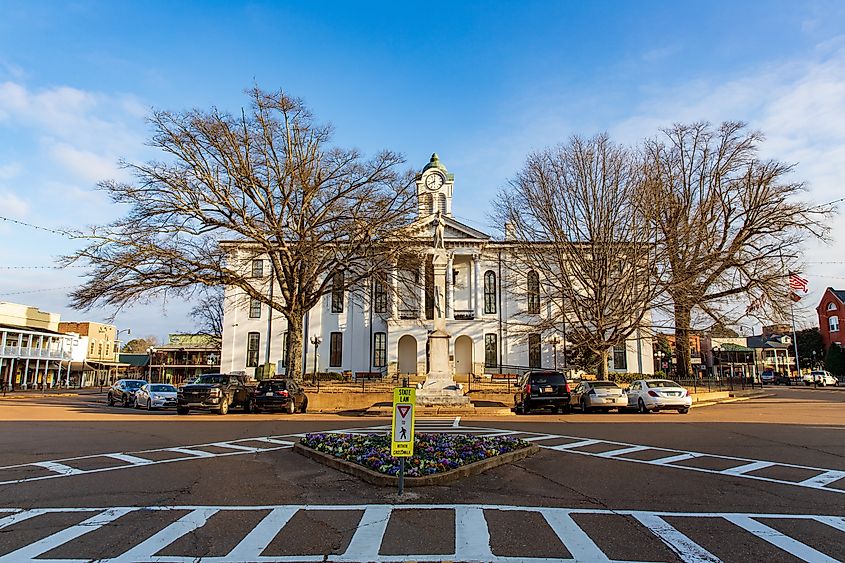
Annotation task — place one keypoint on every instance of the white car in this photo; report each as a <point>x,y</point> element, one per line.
<point>155,396</point>
<point>599,395</point>
<point>821,378</point>
<point>652,395</point>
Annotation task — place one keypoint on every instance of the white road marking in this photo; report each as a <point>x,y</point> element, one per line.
<point>134,460</point>
<point>623,451</point>
<point>686,549</point>
<point>472,534</point>
<point>59,468</point>
<point>675,458</point>
<point>238,447</point>
<point>824,479</point>
<point>748,468</point>
<point>571,445</point>
<point>457,422</point>
<point>778,539</point>
<point>19,517</point>
<point>188,451</point>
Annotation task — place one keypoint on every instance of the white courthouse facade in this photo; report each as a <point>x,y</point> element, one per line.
<point>488,311</point>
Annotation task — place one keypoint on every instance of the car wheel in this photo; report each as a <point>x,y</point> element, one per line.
<point>126,403</point>
<point>641,407</point>
<point>149,404</point>
<point>584,407</point>
<point>290,408</point>
<point>135,404</point>
<point>683,411</point>
<point>807,383</point>
<point>224,407</point>
<point>255,409</point>
<point>248,407</point>
<point>110,400</point>
<point>304,406</point>
<point>182,410</point>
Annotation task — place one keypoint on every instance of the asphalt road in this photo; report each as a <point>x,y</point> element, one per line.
<point>762,479</point>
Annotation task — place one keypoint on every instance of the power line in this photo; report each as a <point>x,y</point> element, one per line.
<point>30,225</point>
<point>44,290</point>
<point>39,267</point>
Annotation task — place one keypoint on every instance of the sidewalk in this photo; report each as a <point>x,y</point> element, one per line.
<point>53,392</point>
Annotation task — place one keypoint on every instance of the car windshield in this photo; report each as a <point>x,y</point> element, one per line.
<point>162,389</point>
<point>662,383</point>
<point>133,384</point>
<point>272,386</point>
<point>548,379</point>
<point>212,379</point>
<point>818,373</point>
<point>603,384</point>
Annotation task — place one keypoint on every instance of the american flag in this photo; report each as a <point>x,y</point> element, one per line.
<point>797,283</point>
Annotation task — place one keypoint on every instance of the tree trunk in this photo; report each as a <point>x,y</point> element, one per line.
<point>294,351</point>
<point>683,366</point>
<point>601,369</point>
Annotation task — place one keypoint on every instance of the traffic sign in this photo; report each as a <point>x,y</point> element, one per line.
<point>402,437</point>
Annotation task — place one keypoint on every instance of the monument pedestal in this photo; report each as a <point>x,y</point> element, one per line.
<point>440,389</point>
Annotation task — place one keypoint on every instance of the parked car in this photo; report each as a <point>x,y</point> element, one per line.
<point>216,392</point>
<point>123,391</point>
<point>782,379</point>
<point>542,389</point>
<point>155,396</point>
<point>767,376</point>
<point>279,394</point>
<point>601,395</point>
<point>820,378</point>
<point>652,395</point>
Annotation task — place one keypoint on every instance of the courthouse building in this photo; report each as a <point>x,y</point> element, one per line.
<point>488,308</point>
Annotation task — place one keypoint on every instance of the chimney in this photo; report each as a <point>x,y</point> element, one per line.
<point>510,231</point>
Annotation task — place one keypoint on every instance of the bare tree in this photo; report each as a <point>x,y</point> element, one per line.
<point>139,345</point>
<point>208,312</point>
<point>728,223</point>
<point>262,185</point>
<point>572,212</point>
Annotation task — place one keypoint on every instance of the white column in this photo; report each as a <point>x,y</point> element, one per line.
<point>37,369</point>
<point>422,289</point>
<point>25,373</point>
<point>476,283</point>
<point>11,372</point>
<point>394,296</point>
<point>450,289</point>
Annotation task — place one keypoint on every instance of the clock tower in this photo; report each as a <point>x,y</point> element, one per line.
<point>434,189</point>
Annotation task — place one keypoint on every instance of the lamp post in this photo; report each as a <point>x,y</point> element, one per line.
<point>554,350</point>
<point>814,361</point>
<point>150,355</point>
<point>659,354</point>
<point>316,341</point>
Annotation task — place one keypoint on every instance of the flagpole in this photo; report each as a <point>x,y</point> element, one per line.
<point>794,335</point>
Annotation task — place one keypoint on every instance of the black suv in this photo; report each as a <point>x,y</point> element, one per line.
<point>542,389</point>
<point>279,394</point>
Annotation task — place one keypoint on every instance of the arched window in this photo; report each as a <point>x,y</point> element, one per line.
<point>831,306</point>
<point>428,204</point>
<point>833,323</point>
<point>533,292</point>
<point>441,204</point>
<point>489,292</point>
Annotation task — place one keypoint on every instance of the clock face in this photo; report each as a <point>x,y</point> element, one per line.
<point>434,182</point>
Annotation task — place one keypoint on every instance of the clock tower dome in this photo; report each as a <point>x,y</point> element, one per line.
<point>434,189</point>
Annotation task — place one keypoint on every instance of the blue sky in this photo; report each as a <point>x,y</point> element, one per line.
<point>481,83</point>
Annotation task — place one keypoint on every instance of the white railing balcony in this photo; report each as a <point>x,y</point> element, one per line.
<point>464,314</point>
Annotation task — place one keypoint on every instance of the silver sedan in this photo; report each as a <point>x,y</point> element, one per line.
<point>599,395</point>
<point>155,396</point>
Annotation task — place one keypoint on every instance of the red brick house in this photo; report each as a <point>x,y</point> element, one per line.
<point>831,311</point>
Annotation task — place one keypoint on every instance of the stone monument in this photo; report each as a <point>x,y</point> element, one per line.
<point>439,388</point>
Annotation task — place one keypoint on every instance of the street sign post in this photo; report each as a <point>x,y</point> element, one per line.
<point>402,433</point>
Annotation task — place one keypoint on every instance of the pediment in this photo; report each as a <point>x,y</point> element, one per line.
<point>453,230</point>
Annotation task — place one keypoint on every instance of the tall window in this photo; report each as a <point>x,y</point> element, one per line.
<point>253,341</point>
<point>336,349</point>
<point>620,357</point>
<point>489,292</point>
<point>441,204</point>
<point>533,292</point>
<point>337,292</point>
<point>258,268</point>
<point>833,323</point>
<point>379,297</point>
<point>491,350</point>
<point>254,308</point>
<point>379,349</point>
<point>285,349</point>
<point>534,357</point>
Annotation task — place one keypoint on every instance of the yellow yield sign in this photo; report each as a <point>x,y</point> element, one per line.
<point>402,437</point>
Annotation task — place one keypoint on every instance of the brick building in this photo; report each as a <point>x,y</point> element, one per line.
<point>831,312</point>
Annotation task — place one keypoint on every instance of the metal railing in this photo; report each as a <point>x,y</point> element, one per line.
<point>16,352</point>
<point>464,314</point>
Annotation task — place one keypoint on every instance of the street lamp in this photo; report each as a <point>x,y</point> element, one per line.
<point>316,341</point>
<point>554,349</point>
<point>660,354</point>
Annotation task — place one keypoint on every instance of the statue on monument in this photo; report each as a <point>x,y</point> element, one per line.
<point>439,229</point>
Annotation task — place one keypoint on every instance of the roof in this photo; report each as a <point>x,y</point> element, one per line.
<point>839,293</point>
<point>730,347</point>
<point>31,329</point>
<point>137,360</point>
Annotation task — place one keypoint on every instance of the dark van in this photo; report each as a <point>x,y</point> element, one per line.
<point>542,389</point>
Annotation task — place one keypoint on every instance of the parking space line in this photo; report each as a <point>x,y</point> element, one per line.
<point>53,541</point>
<point>472,537</point>
<point>59,468</point>
<point>161,539</point>
<point>778,539</point>
<point>686,549</point>
<point>257,540</point>
<point>573,537</point>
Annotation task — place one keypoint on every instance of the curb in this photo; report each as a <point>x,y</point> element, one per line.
<point>731,400</point>
<point>375,478</point>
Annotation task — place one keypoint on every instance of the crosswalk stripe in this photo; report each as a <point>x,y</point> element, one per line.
<point>823,479</point>
<point>574,445</point>
<point>573,537</point>
<point>158,541</point>
<point>778,539</point>
<point>674,458</point>
<point>686,549</point>
<point>13,519</point>
<point>257,540</point>
<point>747,468</point>
<point>134,460</point>
<point>472,537</point>
<point>366,541</point>
<point>238,447</point>
<point>623,451</point>
<point>833,522</point>
<point>53,541</point>
<point>195,453</point>
<point>57,467</point>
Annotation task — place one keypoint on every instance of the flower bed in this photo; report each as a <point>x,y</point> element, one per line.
<point>433,453</point>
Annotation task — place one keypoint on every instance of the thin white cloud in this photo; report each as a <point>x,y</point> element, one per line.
<point>12,205</point>
<point>86,165</point>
